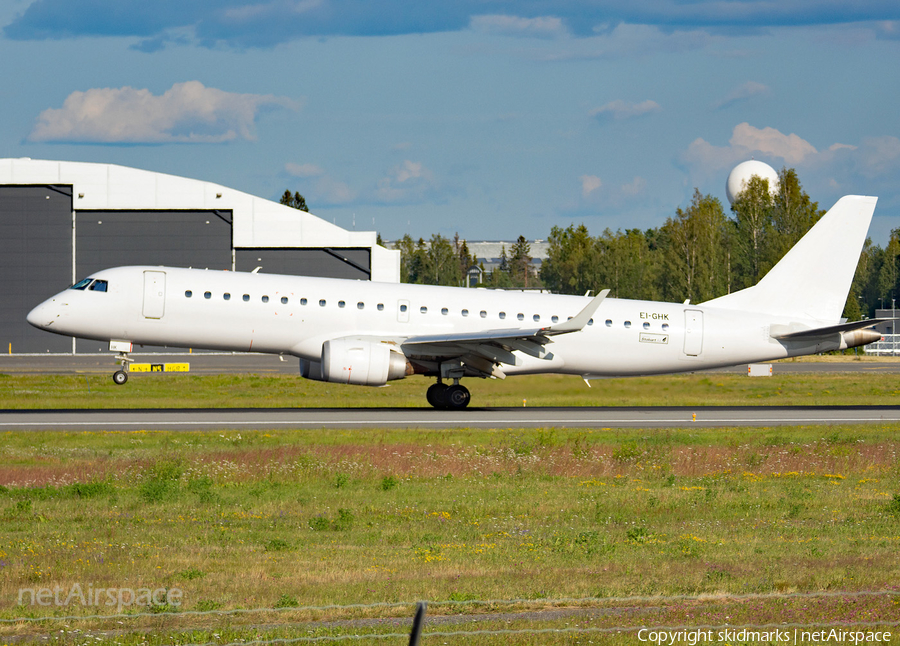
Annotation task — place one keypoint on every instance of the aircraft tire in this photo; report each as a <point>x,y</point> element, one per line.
<point>435,395</point>
<point>120,377</point>
<point>457,397</point>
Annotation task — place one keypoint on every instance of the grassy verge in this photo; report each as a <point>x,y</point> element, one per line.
<point>228,391</point>
<point>288,519</point>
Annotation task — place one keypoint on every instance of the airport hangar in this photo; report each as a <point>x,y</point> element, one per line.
<point>61,221</point>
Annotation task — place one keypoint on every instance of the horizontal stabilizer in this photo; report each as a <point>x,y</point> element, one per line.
<point>786,332</point>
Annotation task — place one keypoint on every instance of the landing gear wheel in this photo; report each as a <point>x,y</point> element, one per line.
<point>457,397</point>
<point>120,377</point>
<point>435,395</point>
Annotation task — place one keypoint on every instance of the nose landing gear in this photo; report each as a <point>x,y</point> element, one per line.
<point>121,376</point>
<point>444,397</point>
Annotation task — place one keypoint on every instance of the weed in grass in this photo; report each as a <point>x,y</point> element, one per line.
<point>638,535</point>
<point>893,507</point>
<point>319,524</point>
<point>389,482</point>
<point>287,601</point>
<point>207,605</point>
<point>341,480</point>
<point>627,452</point>
<point>277,545</point>
<point>155,491</point>
<point>192,573</point>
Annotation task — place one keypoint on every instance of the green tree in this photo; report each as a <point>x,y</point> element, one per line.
<point>521,272</point>
<point>627,266</point>
<point>571,264</point>
<point>295,201</point>
<point>793,214</point>
<point>752,232</point>
<point>696,254</point>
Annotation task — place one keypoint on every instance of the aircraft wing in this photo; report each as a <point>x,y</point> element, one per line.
<point>483,351</point>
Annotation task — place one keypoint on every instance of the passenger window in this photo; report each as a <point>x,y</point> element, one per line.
<point>322,303</point>
<point>246,297</point>
<point>207,294</point>
<point>537,317</point>
<point>482,314</point>
<point>226,296</point>
<point>665,327</point>
<point>403,308</point>
<point>465,312</point>
<point>188,294</point>
<point>445,311</point>
<point>82,284</point>
<point>627,323</point>
<point>520,316</point>
<point>341,303</point>
<point>608,322</point>
<point>646,326</point>
<point>502,315</point>
<point>590,321</point>
<point>303,301</point>
<point>265,299</point>
<point>554,319</point>
<point>98,286</point>
<point>360,306</point>
<point>423,310</point>
<point>380,307</point>
<point>284,300</point>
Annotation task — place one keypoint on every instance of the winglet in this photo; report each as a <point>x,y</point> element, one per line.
<point>581,319</point>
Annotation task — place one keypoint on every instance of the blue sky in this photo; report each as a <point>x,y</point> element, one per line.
<point>485,117</point>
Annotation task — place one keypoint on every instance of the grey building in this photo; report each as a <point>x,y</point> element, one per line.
<point>60,221</point>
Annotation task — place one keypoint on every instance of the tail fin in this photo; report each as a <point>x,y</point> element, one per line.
<point>813,279</point>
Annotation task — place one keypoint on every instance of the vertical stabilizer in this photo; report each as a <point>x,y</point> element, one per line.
<point>813,279</point>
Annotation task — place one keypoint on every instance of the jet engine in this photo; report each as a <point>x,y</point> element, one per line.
<point>349,361</point>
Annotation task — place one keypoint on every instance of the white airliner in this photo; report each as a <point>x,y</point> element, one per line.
<point>359,332</point>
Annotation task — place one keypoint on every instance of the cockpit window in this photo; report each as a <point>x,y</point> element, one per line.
<point>98,286</point>
<point>82,284</point>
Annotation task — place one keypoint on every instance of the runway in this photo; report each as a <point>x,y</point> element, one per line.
<point>427,418</point>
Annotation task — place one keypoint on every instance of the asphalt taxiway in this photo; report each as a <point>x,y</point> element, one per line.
<point>426,418</point>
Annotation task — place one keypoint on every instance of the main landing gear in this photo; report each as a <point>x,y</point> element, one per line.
<point>444,397</point>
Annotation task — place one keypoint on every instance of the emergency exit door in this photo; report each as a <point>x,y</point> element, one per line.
<point>693,332</point>
<point>154,294</point>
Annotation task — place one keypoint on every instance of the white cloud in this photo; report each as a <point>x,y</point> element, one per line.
<point>186,113</point>
<point>303,170</point>
<point>409,182</point>
<point>747,142</point>
<point>321,187</point>
<point>743,92</point>
<point>589,184</point>
<point>619,110</point>
<point>771,142</point>
<point>635,187</point>
<point>541,27</point>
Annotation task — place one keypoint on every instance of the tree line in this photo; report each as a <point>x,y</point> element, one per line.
<point>700,253</point>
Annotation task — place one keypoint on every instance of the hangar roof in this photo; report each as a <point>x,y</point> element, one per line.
<point>257,222</point>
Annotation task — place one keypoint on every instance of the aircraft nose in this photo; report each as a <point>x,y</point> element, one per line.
<point>43,315</point>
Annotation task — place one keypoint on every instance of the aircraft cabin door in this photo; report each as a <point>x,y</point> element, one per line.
<point>403,311</point>
<point>154,294</point>
<point>693,332</point>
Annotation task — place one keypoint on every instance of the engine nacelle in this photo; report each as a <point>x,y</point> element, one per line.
<point>356,362</point>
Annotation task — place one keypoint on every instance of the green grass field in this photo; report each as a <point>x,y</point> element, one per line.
<point>216,391</point>
<point>284,520</point>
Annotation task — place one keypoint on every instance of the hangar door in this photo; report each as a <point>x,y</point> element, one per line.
<point>693,332</point>
<point>154,294</point>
